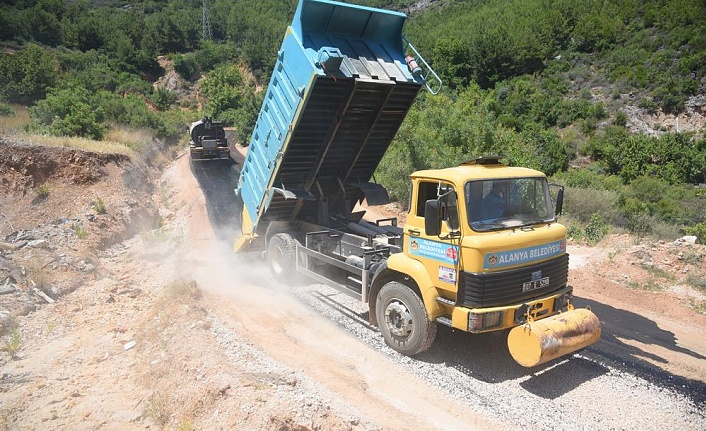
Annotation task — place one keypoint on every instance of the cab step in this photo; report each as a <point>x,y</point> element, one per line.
<point>444,321</point>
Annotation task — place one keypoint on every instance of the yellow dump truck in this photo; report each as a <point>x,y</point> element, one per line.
<point>481,249</point>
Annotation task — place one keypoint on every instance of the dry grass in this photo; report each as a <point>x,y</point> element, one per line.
<point>133,139</point>
<point>41,278</point>
<point>698,306</point>
<point>178,301</point>
<point>159,409</point>
<point>117,141</point>
<point>161,336</point>
<point>14,124</point>
<point>105,147</point>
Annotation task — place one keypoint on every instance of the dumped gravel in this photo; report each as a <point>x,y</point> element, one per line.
<point>585,391</point>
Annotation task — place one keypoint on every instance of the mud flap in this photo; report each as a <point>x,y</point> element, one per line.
<point>540,341</point>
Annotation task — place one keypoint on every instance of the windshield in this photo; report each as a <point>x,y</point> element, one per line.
<point>508,202</point>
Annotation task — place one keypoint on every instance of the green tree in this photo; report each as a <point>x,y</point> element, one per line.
<point>223,88</point>
<point>163,98</point>
<point>26,75</point>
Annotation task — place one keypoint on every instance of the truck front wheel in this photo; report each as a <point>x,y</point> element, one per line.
<point>403,319</point>
<point>280,256</point>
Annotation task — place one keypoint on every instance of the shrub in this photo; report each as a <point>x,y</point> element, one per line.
<point>664,230</point>
<point>648,105</point>
<point>621,119</point>
<point>582,204</point>
<point>697,282</point>
<point>6,110</point>
<point>698,230</point>
<point>42,191</point>
<point>68,112</point>
<point>80,232</point>
<point>26,75</point>
<point>213,54</point>
<point>185,66</point>
<point>224,90</point>
<point>596,229</point>
<point>163,98</point>
<point>40,278</point>
<point>13,343</point>
<point>588,179</point>
<point>99,206</point>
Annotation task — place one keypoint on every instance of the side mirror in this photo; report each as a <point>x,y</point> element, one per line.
<point>559,202</point>
<point>432,218</point>
<point>451,204</point>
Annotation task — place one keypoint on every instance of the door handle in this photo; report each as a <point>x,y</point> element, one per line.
<point>413,232</point>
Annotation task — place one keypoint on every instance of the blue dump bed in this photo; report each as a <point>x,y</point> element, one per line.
<point>339,92</point>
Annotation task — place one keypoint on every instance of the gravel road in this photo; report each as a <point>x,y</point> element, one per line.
<point>604,387</point>
<point>590,390</point>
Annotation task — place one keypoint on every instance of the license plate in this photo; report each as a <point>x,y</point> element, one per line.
<point>536,284</point>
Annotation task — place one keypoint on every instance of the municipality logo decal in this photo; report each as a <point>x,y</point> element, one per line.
<point>493,260</point>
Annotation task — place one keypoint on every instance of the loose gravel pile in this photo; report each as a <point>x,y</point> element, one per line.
<point>581,392</point>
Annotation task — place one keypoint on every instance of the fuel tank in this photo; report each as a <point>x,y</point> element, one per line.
<point>542,340</point>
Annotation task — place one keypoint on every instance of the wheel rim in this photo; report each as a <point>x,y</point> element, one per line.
<point>398,319</point>
<point>277,260</point>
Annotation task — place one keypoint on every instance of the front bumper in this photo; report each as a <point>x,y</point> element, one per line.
<point>479,320</point>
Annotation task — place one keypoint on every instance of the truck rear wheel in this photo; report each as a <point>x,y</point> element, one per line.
<point>403,320</point>
<point>280,256</point>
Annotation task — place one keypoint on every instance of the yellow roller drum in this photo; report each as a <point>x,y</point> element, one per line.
<point>540,341</point>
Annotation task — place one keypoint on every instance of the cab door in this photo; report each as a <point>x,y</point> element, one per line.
<point>439,253</point>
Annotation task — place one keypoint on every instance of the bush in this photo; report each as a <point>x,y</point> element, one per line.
<point>130,110</point>
<point>173,124</point>
<point>698,230</point>
<point>42,191</point>
<point>68,112</point>
<point>99,206</point>
<point>621,119</point>
<point>596,229</point>
<point>26,75</point>
<point>162,98</point>
<point>582,204</point>
<point>185,66</point>
<point>224,90</point>
<point>213,54</point>
<point>674,157</point>
<point>588,179</point>
<point>80,231</point>
<point>13,343</point>
<point>6,110</point>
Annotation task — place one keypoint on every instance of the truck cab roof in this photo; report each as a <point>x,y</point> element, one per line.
<point>477,169</point>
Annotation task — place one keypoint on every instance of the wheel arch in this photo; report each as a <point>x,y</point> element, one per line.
<point>275,227</point>
<point>412,274</point>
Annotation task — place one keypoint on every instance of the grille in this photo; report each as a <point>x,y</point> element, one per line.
<point>505,287</point>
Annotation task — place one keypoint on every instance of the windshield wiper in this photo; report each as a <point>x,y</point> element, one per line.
<point>486,225</point>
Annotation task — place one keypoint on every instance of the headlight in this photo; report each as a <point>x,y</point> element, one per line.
<point>478,322</point>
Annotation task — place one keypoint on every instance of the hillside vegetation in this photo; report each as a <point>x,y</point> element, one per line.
<point>548,84</point>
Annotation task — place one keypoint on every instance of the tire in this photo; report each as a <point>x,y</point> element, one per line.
<point>403,320</point>
<point>281,257</point>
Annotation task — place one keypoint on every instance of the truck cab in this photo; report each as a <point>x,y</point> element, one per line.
<point>486,235</point>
